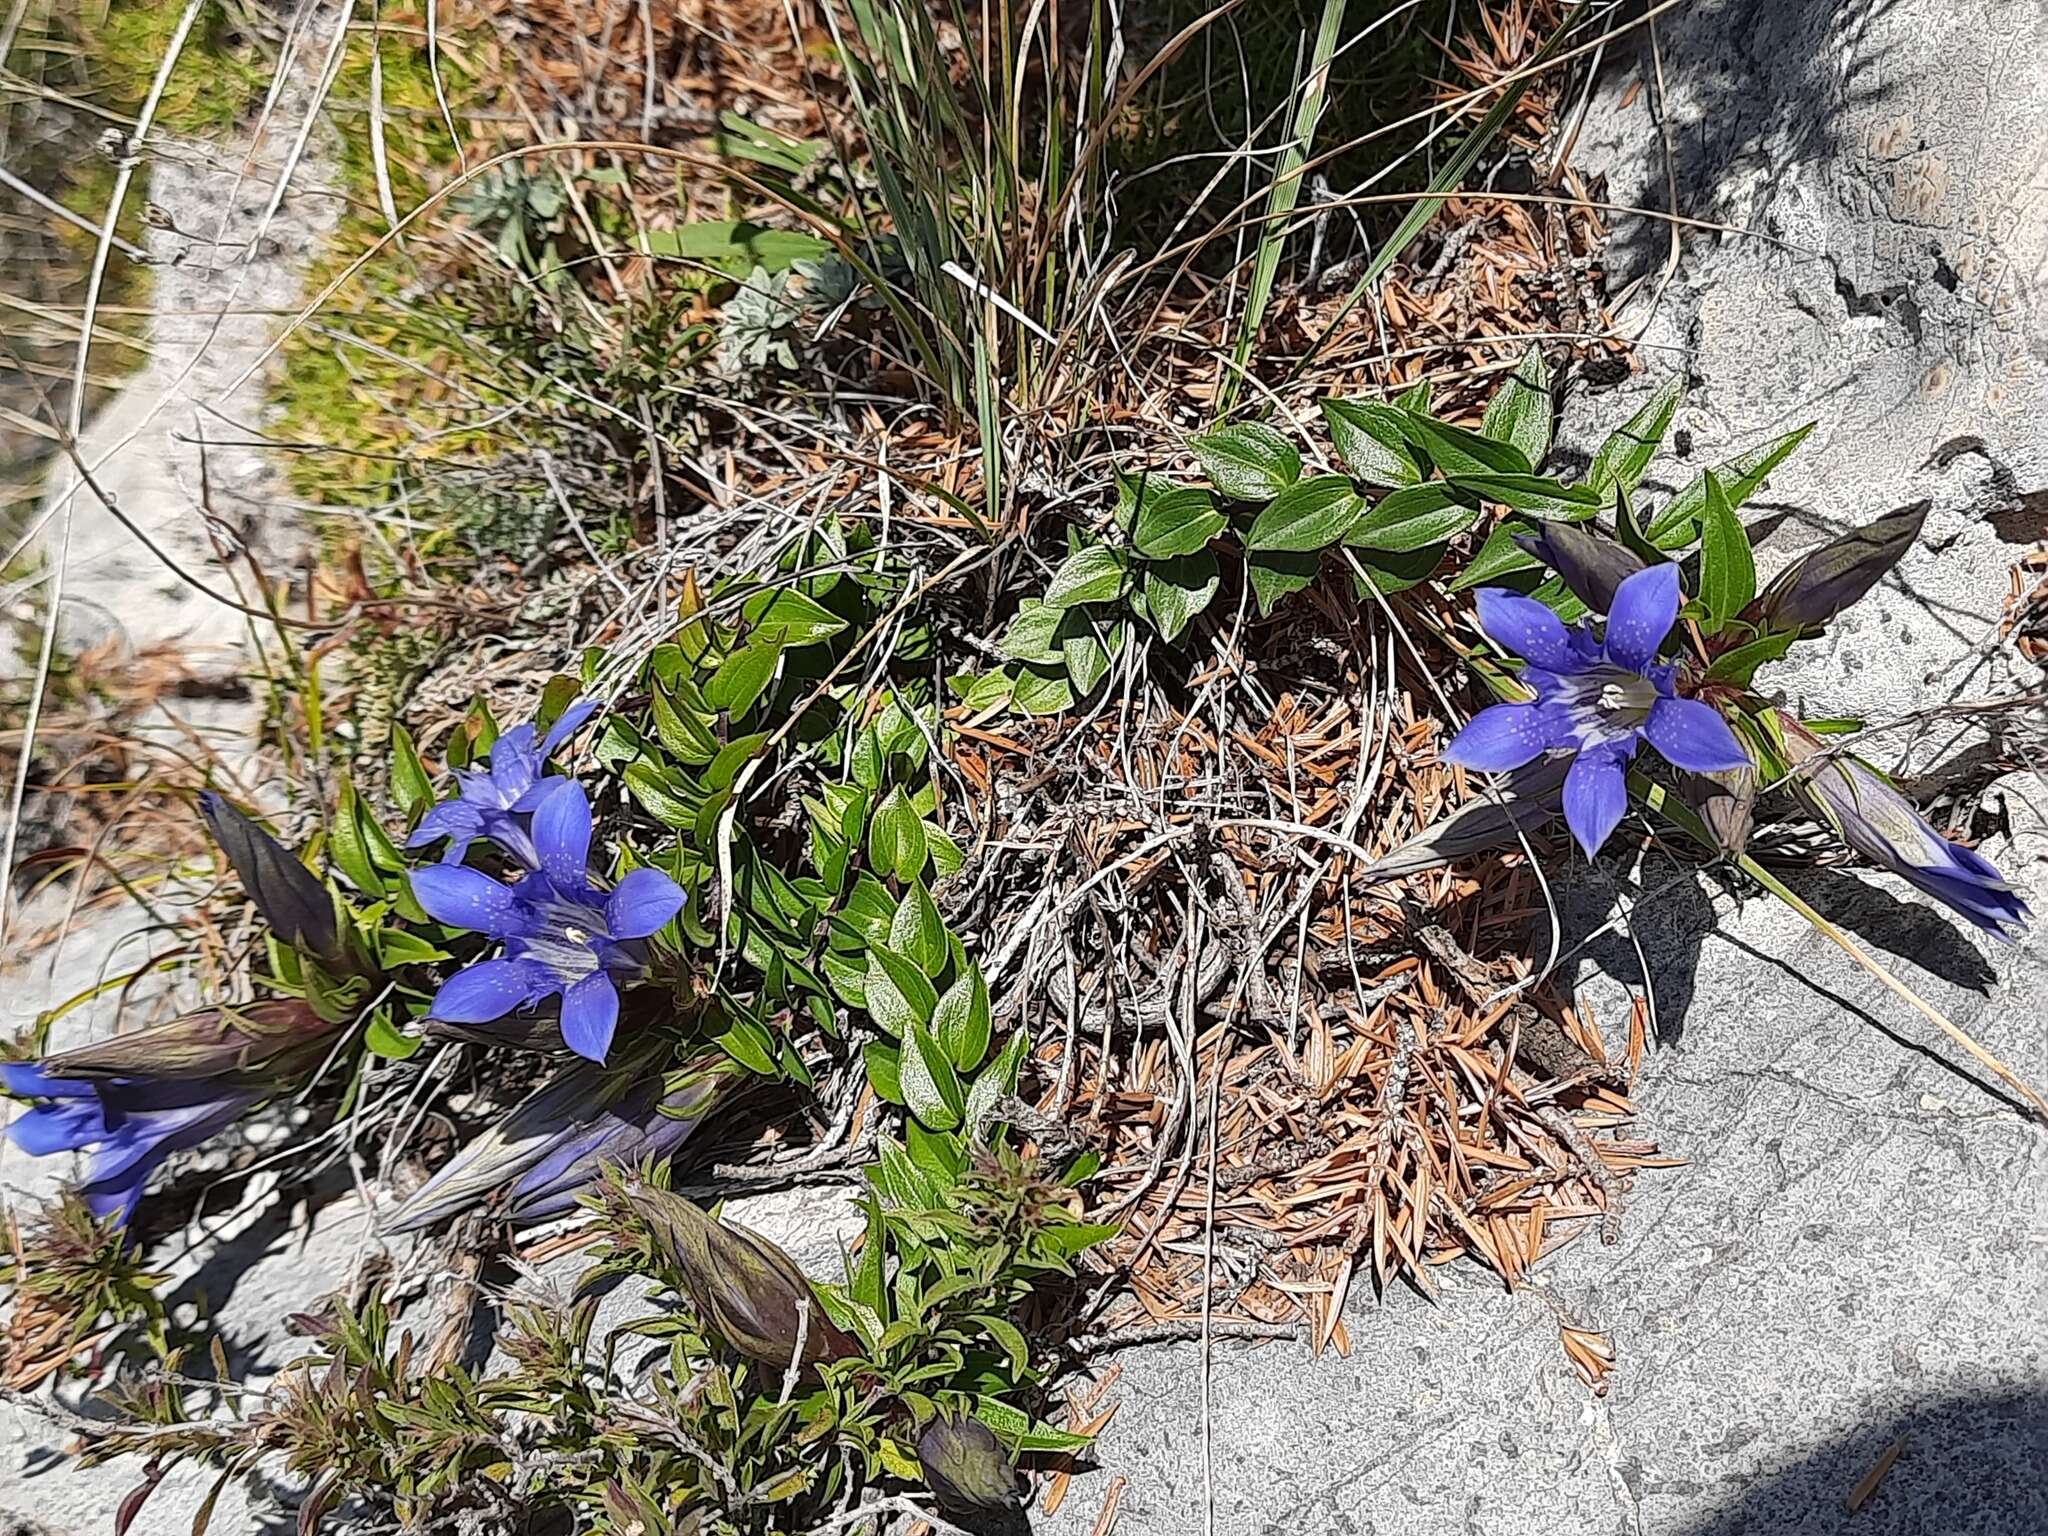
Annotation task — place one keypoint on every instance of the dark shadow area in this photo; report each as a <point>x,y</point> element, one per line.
<point>1963,1466</point>
<point>1758,87</point>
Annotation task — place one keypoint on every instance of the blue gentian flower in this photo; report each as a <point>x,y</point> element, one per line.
<point>492,802</point>
<point>1881,824</point>
<point>563,936</point>
<point>1596,699</point>
<point>131,1124</point>
<point>538,1160</point>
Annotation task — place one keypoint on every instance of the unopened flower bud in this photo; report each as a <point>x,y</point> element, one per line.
<point>1816,587</point>
<point>1881,824</point>
<point>292,899</point>
<point>1592,565</point>
<point>967,1468</point>
<point>254,1044</point>
<point>557,1141</point>
<point>746,1289</point>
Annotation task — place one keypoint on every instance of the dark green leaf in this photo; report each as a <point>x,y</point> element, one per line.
<point>1519,412</point>
<point>1372,440</point>
<point>1091,574</point>
<point>1533,495</point>
<point>747,1043</point>
<point>1499,556</point>
<point>1413,519</point>
<point>1249,461</point>
<point>917,932</point>
<point>1727,566</point>
<point>1275,573</point>
<point>1176,590</point>
<point>1396,572</point>
<point>1626,454</point>
<point>1741,478</point>
<point>1309,515</point>
<point>1174,520</point>
<point>1461,451</point>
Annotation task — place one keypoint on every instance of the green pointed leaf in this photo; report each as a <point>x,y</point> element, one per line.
<point>884,1064</point>
<point>410,785</point>
<point>1249,461</point>
<point>917,932</point>
<point>1625,456</point>
<point>1091,574</point>
<point>1042,691</point>
<point>1275,573</point>
<point>1727,565</point>
<point>1031,635</point>
<point>1459,450</point>
<point>741,677</point>
<point>962,1019</point>
<point>383,1038</point>
<point>1519,412</point>
<point>896,841</point>
<point>785,616</point>
<point>899,994</point>
<point>1533,495</point>
<point>930,1085</point>
<point>1413,519</point>
<point>997,1079</point>
<point>1741,478</point>
<point>1177,590</point>
<point>1085,656</point>
<point>1372,440</point>
<point>1174,520</point>
<point>1499,556</point>
<point>1309,515</point>
<point>1738,666</point>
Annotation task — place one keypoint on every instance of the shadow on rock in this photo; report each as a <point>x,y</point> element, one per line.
<point>1950,1467</point>
<point>1759,87</point>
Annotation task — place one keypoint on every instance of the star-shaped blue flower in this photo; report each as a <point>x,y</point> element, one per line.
<point>563,936</point>
<point>492,802</point>
<point>1596,698</point>
<point>130,1124</point>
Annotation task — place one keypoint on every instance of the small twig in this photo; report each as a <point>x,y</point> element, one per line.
<point>1177,1329</point>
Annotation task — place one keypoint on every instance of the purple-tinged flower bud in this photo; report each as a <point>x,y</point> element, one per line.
<point>1592,565</point>
<point>1881,824</point>
<point>252,1045</point>
<point>1727,803</point>
<point>745,1289</point>
<point>1816,587</point>
<point>556,1143</point>
<point>292,899</point>
<point>967,1468</point>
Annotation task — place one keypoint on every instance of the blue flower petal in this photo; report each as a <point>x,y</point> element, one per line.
<point>561,835</point>
<point>26,1080</point>
<point>457,820</point>
<point>590,1012</point>
<point>1693,735</point>
<point>570,722</point>
<point>1645,608</point>
<point>1504,736</point>
<point>468,898</point>
<point>527,803</point>
<point>61,1126</point>
<point>1595,796</point>
<point>514,764</point>
<point>643,901</point>
<point>488,990</point>
<point>1527,628</point>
